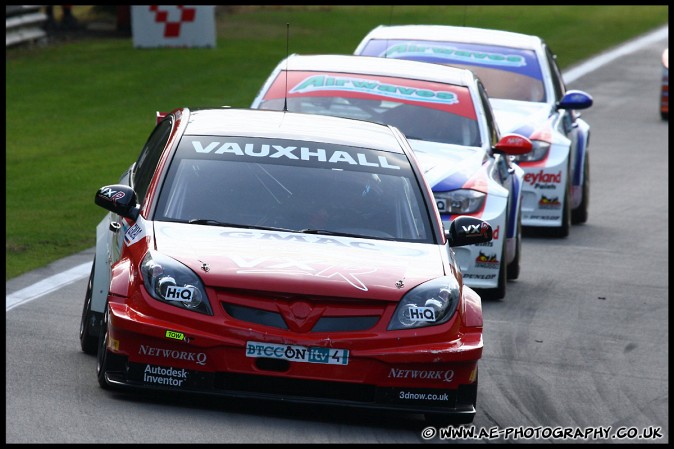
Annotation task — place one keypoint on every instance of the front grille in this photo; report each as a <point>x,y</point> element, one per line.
<point>345,324</point>
<point>257,316</point>
<point>323,314</point>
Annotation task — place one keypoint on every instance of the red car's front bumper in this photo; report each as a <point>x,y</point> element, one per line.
<point>246,361</point>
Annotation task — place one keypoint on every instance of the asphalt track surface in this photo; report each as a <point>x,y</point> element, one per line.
<point>580,343</point>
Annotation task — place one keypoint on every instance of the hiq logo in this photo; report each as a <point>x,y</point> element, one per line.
<point>422,313</point>
<point>182,294</point>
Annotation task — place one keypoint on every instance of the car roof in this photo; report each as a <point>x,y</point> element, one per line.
<point>291,125</point>
<point>372,65</point>
<point>456,33</point>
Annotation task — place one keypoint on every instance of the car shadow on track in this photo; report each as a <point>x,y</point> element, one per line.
<point>262,408</point>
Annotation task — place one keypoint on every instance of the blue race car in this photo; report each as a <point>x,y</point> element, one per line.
<point>528,96</point>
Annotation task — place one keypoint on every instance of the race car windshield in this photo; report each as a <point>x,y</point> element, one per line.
<point>416,122</point>
<point>508,85</point>
<point>422,110</point>
<point>506,72</point>
<point>297,186</point>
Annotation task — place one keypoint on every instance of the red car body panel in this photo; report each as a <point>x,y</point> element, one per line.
<point>293,316</point>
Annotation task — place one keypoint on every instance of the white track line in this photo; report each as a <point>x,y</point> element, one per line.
<point>48,285</point>
<point>605,58</point>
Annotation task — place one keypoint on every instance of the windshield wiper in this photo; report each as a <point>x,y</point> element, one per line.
<point>326,232</point>
<point>210,222</point>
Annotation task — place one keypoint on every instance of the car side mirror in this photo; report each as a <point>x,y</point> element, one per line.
<point>465,230</point>
<point>119,199</point>
<point>575,99</point>
<point>513,144</point>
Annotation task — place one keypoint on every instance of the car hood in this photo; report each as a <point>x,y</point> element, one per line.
<point>449,167</point>
<point>521,117</point>
<point>297,263</point>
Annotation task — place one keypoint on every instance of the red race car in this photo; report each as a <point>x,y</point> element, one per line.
<point>277,255</point>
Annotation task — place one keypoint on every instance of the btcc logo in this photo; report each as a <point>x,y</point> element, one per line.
<point>134,234</point>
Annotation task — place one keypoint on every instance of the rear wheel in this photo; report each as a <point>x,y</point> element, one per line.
<point>88,338</point>
<point>514,266</point>
<point>579,214</point>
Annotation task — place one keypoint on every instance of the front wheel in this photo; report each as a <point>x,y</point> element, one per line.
<point>88,339</point>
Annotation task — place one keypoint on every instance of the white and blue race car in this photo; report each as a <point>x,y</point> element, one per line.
<point>528,96</point>
<point>445,114</point>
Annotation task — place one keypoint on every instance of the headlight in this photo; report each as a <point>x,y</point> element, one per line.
<point>539,151</point>
<point>428,304</point>
<point>169,281</point>
<point>459,201</point>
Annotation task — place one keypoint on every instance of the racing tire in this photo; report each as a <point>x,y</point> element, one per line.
<point>88,340</point>
<point>500,291</point>
<point>514,266</point>
<point>579,214</point>
<point>102,357</point>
